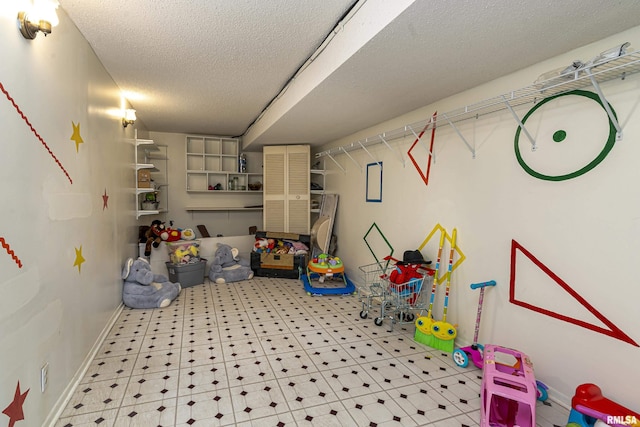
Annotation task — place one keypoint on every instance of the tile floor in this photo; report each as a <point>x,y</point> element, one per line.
<point>264,353</point>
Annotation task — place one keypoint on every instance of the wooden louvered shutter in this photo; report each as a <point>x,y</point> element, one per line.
<point>286,188</point>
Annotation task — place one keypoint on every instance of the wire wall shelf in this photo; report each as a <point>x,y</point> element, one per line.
<point>593,73</point>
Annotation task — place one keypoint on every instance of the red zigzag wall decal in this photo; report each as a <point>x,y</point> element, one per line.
<point>13,255</point>
<point>35,132</point>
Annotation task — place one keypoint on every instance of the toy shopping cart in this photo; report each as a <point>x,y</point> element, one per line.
<point>373,288</point>
<point>404,299</point>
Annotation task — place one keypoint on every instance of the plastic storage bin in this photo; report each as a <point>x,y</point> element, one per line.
<point>187,274</point>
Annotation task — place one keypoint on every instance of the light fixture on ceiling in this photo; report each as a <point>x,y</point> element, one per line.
<point>41,17</point>
<point>129,117</point>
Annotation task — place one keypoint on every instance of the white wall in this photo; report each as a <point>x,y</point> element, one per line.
<point>585,230</point>
<point>51,310</point>
<point>231,223</point>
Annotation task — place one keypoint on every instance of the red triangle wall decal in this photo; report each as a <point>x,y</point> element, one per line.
<point>613,330</point>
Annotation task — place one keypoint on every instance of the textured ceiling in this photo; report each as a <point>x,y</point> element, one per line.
<point>212,66</point>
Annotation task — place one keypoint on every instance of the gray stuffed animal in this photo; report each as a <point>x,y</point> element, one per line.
<point>228,267</point>
<point>144,289</point>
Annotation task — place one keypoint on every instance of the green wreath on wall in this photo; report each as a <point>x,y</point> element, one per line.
<point>560,135</point>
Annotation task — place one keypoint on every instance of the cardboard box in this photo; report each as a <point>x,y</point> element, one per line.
<point>144,178</point>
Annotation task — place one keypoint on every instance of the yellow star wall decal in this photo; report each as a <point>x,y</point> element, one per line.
<point>76,135</point>
<point>105,200</point>
<point>79,259</point>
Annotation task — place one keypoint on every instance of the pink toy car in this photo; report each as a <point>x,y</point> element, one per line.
<point>508,394</point>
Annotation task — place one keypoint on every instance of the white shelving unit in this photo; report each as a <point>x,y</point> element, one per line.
<point>593,73</point>
<point>153,158</point>
<point>212,166</point>
<point>317,177</point>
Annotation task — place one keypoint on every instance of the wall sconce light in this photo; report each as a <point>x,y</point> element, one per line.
<point>41,17</point>
<point>129,117</point>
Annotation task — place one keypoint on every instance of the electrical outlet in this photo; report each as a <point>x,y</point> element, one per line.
<point>44,377</point>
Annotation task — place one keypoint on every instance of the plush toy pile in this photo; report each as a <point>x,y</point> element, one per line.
<point>144,289</point>
<point>176,234</point>
<point>184,251</point>
<point>158,232</point>
<point>279,246</point>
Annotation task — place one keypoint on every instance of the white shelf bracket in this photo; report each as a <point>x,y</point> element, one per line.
<point>392,150</point>
<point>351,158</point>
<point>419,138</point>
<point>605,104</point>
<point>336,162</point>
<point>370,155</point>
<point>472,149</point>
<point>517,119</point>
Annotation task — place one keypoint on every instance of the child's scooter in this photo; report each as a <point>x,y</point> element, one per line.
<point>475,350</point>
<point>461,355</point>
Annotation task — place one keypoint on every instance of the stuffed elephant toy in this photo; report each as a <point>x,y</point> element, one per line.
<point>228,267</point>
<point>144,289</point>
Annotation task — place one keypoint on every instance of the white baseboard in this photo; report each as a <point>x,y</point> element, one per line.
<point>64,398</point>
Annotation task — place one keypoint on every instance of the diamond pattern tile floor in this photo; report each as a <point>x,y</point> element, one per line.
<point>264,353</point>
